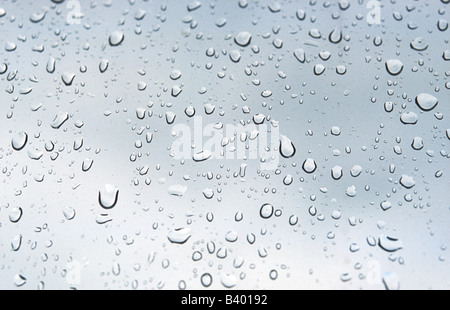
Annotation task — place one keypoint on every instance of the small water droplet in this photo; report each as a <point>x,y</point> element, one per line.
<point>69,213</point>
<point>67,78</point>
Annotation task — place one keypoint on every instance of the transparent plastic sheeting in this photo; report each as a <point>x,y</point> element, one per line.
<point>223,145</point>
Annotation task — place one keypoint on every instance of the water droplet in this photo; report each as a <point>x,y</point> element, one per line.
<point>426,102</point>
<point>177,190</point>
<point>319,69</point>
<point>266,94</point>
<point>69,213</point>
<point>445,55</point>
<point>67,78</point>
<point>243,39</point>
<point>190,111</point>
<point>51,65</point>
<point>442,25</point>
<point>19,280</point>
<point>410,118</point>
<point>170,117</point>
<point>116,38</point>
<point>337,173</point>
<point>309,165</point>
<point>180,235</point>
<point>103,66</point>
<point>10,46</point>
<point>356,171</point>
<point>274,7</point>
<point>288,180</point>
<point>391,281</point>
<point>389,244</point>
<point>266,211</point>
<point>351,191</point>
<point>417,143</point>
<point>15,215</point>
<point>385,205</point>
<point>206,279</point>
<point>335,36</point>
<point>208,193</point>
<point>176,90</point>
<point>175,74</point>
<point>235,55</point>
<point>278,43</point>
<point>202,156</point>
<point>407,181</point>
<point>287,148</point>
<point>3,68</point>
<point>87,164</point>
<point>19,141</point>
<point>300,55</point>
<point>394,66</point>
<point>59,120</point>
<point>231,236</point>
<point>108,196</point>
<point>228,280</point>
<point>194,5</point>
<point>419,44</point>
<point>16,242</point>
<point>37,17</point>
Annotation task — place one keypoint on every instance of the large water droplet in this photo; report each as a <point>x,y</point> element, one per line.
<point>426,102</point>
<point>266,211</point>
<point>69,213</point>
<point>407,181</point>
<point>287,148</point>
<point>202,156</point>
<point>19,141</point>
<point>108,196</point>
<point>417,143</point>
<point>309,165</point>
<point>15,215</point>
<point>337,173</point>
<point>243,38</point>
<point>300,55</point>
<point>67,78</point>
<point>419,44</point>
<point>394,66</point>
<point>410,118</point>
<point>116,38</point>
<point>103,66</point>
<point>389,244</point>
<point>3,68</point>
<point>180,235</point>
<point>335,36</point>
<point>59,120</point>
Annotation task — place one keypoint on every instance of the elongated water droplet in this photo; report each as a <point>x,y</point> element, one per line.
<point>410,118</point>
<point>206,279</point>
<point>59,120</point>
<point>3,68</point>
<point>87,164</point>
<point>335,36</point>
<point>19,280</point>
<point>51,65</point>
<point>16,242</point>
<point>108,196</point>
<point>337,173</point>
<point>103,66</point>
<point>287,148</point>
<point>202,156</point>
